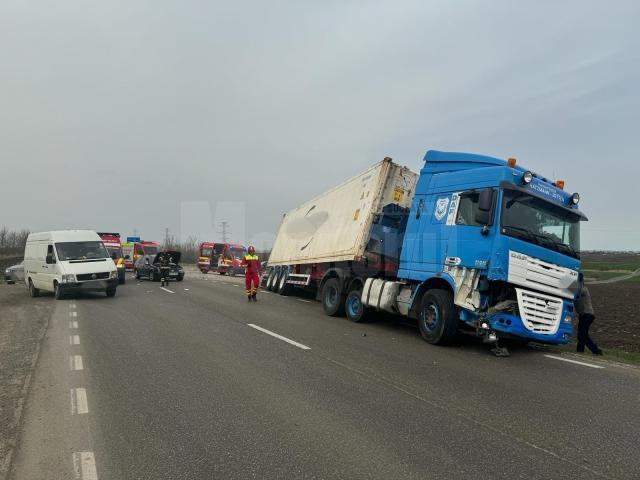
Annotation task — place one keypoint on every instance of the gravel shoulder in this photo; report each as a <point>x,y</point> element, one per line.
<point>23,323</point>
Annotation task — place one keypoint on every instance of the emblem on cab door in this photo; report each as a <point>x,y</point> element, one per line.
<point>441,208</point>
<point>94,276</point>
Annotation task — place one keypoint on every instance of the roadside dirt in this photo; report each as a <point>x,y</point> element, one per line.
<point>23,322</point>
<point>617,309</point>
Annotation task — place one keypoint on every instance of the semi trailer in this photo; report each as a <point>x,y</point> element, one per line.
<point>473,244</point>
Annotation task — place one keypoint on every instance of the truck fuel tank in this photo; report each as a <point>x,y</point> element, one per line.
<point>381,294</point>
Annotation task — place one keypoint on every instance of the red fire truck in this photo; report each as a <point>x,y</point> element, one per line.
<point>144,248</point>
<point>208,254</point>
<point>112,243</point>
<point>230,260</point>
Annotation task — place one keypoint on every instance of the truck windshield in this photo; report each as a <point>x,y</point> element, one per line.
<point>205,252</point>
<point>81,251</point>
<point>537,221</point>
<point>238,253</point>
<point>150,249</point>
<point>116,250</point>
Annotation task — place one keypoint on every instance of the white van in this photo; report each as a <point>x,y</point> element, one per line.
<point>68,261</point>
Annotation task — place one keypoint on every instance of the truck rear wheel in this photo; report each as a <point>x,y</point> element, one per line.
<point>437,317</point>
<point>332,298</point>
<point>354,307</point>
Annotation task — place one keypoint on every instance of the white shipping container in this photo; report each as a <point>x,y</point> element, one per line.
<point>336,225</point>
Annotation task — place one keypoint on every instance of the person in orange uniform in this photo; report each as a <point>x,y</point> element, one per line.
<point>251,265</point>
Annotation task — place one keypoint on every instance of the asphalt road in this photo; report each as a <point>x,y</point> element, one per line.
<point>177,384</point>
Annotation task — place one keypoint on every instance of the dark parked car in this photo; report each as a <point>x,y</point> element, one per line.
<point>148,266</point>
<point>14,274</point>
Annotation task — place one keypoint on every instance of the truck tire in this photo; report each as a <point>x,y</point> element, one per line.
<point>437,317</point>
<point>33,291</point>
<point>121,281</point>
<point>354,307</point>
<point>274,280</point>
<point>57,291</point>
<point>137,274</point>
<point>332,298</point>
<point>284,288</point>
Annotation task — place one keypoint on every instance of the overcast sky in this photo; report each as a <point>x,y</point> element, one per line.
<point>146,115</point>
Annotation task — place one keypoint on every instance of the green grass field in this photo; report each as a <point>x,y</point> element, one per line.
<point>607,265</point>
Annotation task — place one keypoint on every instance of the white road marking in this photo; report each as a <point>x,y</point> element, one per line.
<point>303,300</point>
<point>280,337</point>
<point>73,314</point>
<point>74,340</point>
<point>84,466</point>
<point>166,290</point>
<point>72,305</point>
<point>75,362</point>
<point>73,324</point>
<point>574,361</point>
<point>233,284</point>
<point>79,405</point>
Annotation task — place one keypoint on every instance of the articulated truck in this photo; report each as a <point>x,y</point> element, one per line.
<point>473,244</point>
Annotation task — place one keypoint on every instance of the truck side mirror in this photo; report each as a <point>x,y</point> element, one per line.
<point>49,259</point>
<point>114,256</point>
<point>484,214</point>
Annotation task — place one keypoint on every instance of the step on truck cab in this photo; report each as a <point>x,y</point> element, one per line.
<point>486,248</point>
<point>114,247</point>
<point>68,261</point>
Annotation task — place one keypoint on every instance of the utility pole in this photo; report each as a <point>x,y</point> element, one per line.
<point>225,232</point>
<point>166,237</point>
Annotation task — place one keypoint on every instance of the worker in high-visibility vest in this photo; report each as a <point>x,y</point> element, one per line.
<point>251,265</point>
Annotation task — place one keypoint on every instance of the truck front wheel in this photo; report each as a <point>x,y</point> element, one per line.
<point>332,298</point>
<point>437,317</point>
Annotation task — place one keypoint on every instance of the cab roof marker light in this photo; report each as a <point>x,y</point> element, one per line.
<point>575,198</point>
<point>559,184</point>
<point>527,177</point>
<point>511,162</point>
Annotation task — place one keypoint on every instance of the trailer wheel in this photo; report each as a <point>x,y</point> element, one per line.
<point>332,298</point>
<point>275,275</point>
<point>354,307</point>
<point>283,287</point>
<point>437,317</point>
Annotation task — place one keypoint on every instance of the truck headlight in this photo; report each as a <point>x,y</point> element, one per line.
<point>68,278</point>
<point>568,319</point>
<point>575,198</point>
<point>114,274</point>
<point>527,177</point>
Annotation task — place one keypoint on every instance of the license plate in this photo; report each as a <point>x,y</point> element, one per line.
<point>173,274</point>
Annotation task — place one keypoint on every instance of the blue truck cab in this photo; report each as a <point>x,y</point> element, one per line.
<point>503,240</point>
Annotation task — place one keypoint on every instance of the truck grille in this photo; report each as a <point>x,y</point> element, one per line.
<point>90,276</point>
<point>530,272</point>
<point>540,313</point>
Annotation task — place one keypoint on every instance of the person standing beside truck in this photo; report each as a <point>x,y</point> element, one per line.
<point>584,309</point>
<point>251,264</point>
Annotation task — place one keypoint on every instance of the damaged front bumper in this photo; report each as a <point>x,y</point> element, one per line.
<point>513,326</point>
